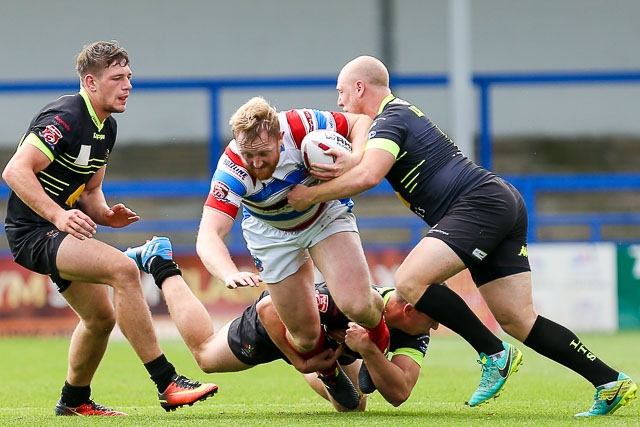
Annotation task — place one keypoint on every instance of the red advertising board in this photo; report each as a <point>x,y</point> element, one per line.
<point>31,305</point>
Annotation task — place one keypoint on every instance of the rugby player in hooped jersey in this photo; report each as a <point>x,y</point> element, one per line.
<point>255,172</point>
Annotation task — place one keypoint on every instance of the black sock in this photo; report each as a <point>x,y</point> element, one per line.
<point>73,396</point>
<point>161,371</point>
<point>443,305</point>
<point>161,268</point>
<point>563,346</point>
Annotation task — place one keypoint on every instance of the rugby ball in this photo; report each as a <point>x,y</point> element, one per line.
<point>315,143</point>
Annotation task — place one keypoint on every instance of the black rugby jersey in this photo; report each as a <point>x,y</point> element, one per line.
<point>430,172</point>
<point>68,131</point>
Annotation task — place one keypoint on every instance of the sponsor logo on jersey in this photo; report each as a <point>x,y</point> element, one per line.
<point>479,253</point>
<point>220,190</point>
<point>62,122</point>
<point>248,350</point>
<point>309,117</point>
<point>420,211</point>
<point>51,134</point>
<point>258,264</point>
<point>52,233</point>
<point>98,136</point>
<point>331,122</point>
<point>323,302</point>
<point>437,230</point>
<point>235,169</point>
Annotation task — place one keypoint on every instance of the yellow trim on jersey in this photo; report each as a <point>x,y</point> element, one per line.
<point>385,102</point>
<point>383,144</point>
<point>412,353</point>
<point>386,292</point>
<point>92,112</point>
<point>32,139</point>
<point>73,197</point>
<point>58,185</point>
<point>403,200</point>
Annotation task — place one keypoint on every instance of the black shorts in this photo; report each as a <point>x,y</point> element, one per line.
<point>487,229</point>
<point>249,341</point>
<point>36,249</point>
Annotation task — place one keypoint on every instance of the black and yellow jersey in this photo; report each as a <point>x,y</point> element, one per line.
<point>430,172</point>
<point>67,131</point>
<point>250,342</point>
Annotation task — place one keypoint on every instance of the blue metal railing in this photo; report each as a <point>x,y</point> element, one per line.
<point>530,185</point>
<point>489,81</point>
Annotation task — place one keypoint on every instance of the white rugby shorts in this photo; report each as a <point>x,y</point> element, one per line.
<point>278,253</point>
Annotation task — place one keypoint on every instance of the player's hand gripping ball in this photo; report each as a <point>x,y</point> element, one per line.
<point>315,143</point>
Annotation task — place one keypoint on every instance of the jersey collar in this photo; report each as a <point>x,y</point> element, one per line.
<point>92,113</point>
<point>385,101</point>
<point>386,297</point>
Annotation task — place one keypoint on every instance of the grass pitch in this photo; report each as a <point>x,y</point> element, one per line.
<point>542,393</point>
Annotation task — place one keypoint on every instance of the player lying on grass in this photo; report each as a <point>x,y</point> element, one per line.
<point>247,341</point>
<point>393,377</point>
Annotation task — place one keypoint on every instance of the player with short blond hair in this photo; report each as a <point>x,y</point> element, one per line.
<point>254,174</point>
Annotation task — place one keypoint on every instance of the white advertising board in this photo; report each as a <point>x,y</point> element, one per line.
<point>575,284</point>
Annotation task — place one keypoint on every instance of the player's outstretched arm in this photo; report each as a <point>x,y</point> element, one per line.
<point>210,246</point>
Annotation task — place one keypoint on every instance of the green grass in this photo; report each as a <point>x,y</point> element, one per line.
<point>541,394</point>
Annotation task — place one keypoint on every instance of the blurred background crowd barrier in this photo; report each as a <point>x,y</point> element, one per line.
<point>597,273</point>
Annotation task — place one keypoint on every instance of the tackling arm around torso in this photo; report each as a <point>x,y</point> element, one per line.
<point>365,175</point>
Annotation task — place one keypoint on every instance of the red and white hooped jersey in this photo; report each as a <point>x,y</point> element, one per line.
<point>232,186</point>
